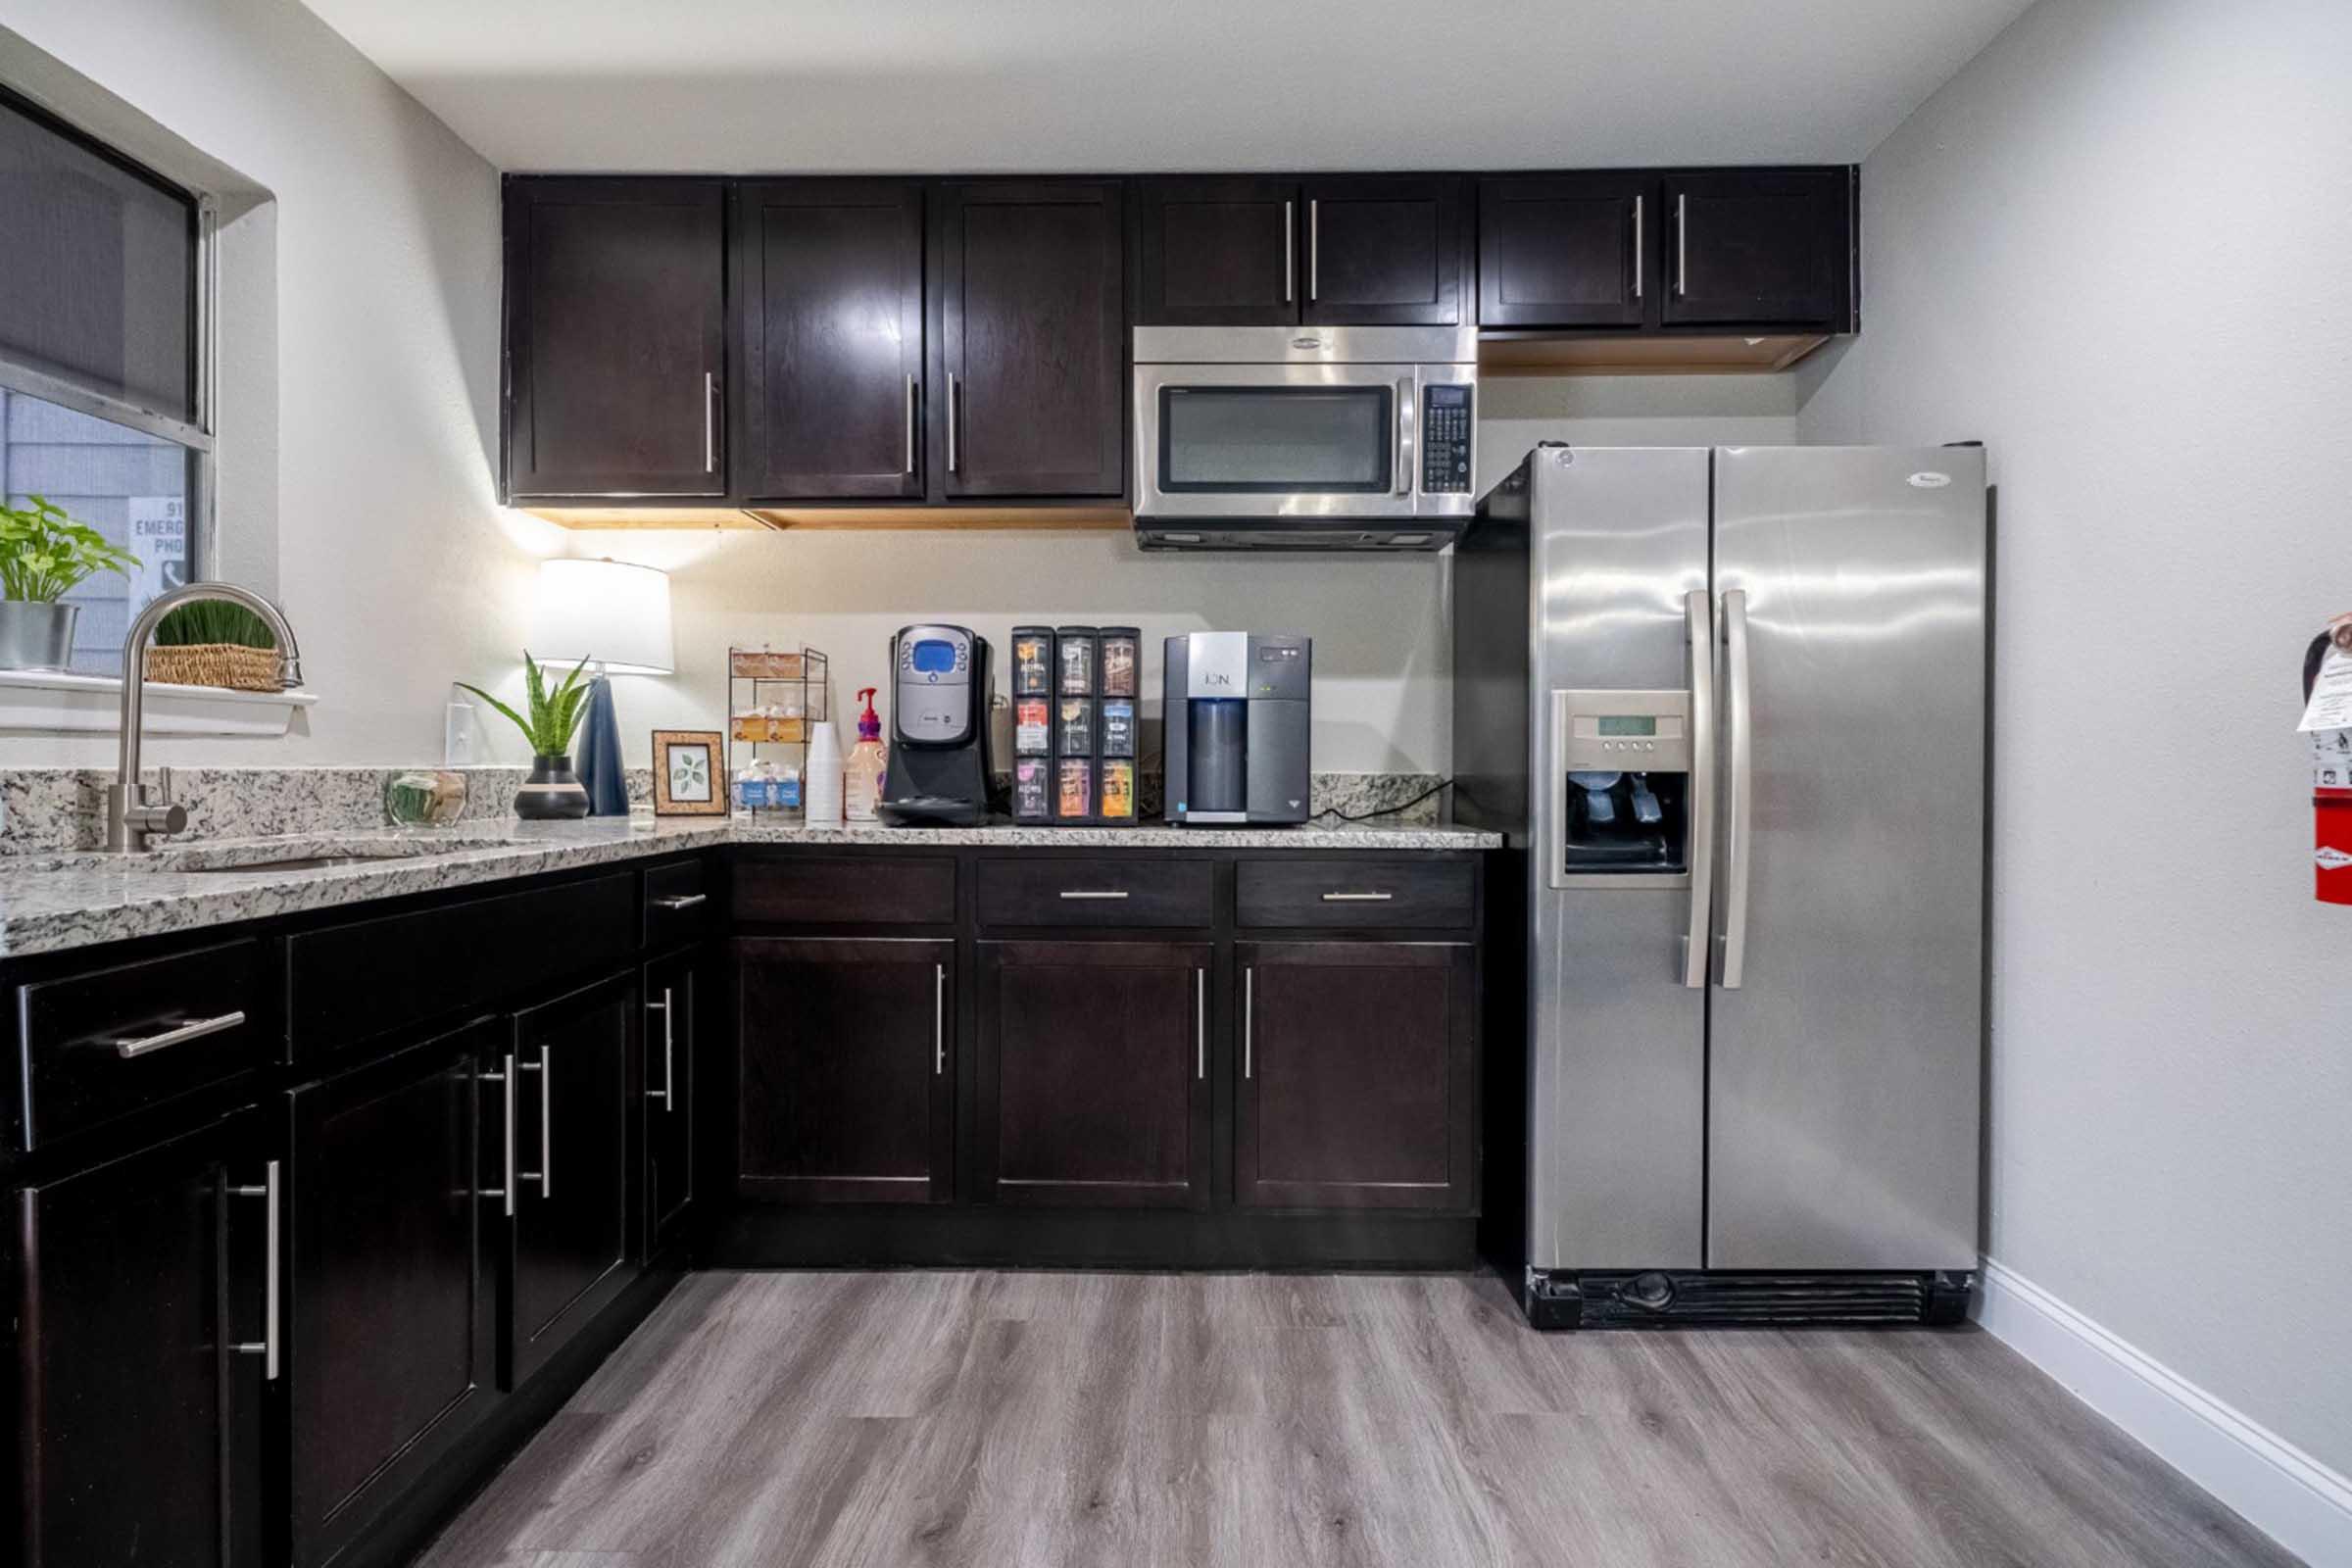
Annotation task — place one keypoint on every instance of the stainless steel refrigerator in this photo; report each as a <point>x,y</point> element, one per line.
<point>1729,708</point>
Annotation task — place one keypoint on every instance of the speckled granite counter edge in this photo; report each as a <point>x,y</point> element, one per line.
<point>48,905</point>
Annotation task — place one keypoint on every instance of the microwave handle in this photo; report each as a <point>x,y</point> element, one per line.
<point>1405,436</point>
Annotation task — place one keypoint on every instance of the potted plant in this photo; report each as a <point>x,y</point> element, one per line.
<point>211,642</point>
<point>44,555</point>
<point>551,793</point>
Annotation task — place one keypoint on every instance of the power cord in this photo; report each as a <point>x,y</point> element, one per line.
<point>1386,810</point>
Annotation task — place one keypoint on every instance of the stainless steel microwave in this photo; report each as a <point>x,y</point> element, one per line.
<point>1305,438</point>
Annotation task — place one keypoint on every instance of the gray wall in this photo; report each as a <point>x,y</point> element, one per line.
<point>2112,248</point>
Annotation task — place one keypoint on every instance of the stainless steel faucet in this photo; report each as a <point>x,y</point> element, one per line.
<point>131,819</point>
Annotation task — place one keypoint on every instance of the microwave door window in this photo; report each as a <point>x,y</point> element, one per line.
<point>1267,440</point>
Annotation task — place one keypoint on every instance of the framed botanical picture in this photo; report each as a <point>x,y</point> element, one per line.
<point>687,763</point>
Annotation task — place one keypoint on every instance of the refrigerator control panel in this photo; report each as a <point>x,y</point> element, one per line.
<point>1636,731</point>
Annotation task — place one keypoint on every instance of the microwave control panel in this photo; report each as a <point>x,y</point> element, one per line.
<point>1445,439</point>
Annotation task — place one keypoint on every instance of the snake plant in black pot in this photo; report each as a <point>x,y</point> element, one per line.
<point>553,793</point>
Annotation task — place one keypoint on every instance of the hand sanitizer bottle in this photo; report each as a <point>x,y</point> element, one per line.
<point>862,774</point>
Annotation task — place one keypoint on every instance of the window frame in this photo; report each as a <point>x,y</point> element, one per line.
<point>196,436</point>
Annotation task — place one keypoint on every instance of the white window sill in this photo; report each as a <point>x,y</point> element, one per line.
<point>51,703</point>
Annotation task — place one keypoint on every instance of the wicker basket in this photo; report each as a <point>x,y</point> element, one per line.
<point>244,669</point>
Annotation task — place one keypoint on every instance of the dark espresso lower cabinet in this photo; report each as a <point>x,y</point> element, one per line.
<point>1359,1077</point>
<point>848,1073</point>
<point>140,1288</point>
<point>389,1316</point>
<point>1095,1073</point>
<point>575,1089</point>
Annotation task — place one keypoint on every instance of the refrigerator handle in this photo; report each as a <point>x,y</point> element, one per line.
<point>1738,854</point>
<point>1701,610</point>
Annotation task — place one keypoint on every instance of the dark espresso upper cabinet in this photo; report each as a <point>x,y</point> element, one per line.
<point>1030,312</point>
<point>615,338</point>
<point>1568,250</point>
<point>1339,251</point>
<point>1386,250</point>
<point>1217,252</point>
<point>1759,248</point>
<point>831,278</point>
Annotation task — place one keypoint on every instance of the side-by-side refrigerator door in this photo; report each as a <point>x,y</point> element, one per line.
<point>1846,1030</point>
<point>1620,701</point>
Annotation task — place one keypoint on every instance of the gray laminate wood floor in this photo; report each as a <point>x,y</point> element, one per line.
<point>1108,1420</point>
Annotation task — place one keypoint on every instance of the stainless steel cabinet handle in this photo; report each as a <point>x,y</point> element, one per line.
<point>545,1175</point>
<point>128,1048</point>
<point>939,1018</point>
<point>709,425</point>
<point>683,901</point>
<point>267,1348</point>
<point>1088,892</point>
<point>1315,250</point>
<point>1637,247</point>
<point>1357,898</point>
<point>910,424</point>
<point>953,465</point>
<point>1201,1023</point>
<point>1700,611</point>
<point>1682,246</point>
<point>1738,854</point>
<point>669,1074</point>
<point>505,1079</point>
<point>1290,250</point>
<point>1248,1020</point>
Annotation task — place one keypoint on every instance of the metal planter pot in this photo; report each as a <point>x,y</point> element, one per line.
<point>36,636</point>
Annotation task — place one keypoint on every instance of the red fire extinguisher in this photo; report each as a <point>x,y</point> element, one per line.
<point>2331,775</point>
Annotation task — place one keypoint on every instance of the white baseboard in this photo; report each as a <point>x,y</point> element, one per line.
<point>2294,1499</point>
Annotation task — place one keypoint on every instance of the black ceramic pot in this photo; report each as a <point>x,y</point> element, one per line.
<point>553,791</point>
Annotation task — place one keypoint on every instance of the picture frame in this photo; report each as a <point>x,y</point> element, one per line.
<point>688,772</point>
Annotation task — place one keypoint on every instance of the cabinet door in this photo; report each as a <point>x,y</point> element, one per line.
<point>389,1311</point>
<point>138,1284</point>
<point>1358,1076</point>
<point>847,1065</point>
<point>1568,250</point>
<point>832,280</point>
<point>672,988</point>
<point>1032,318</point>
<point>615,338</point>
<point>575,1091</point>
<point>1217,252</point>
<point>1760,249</point>
<point>1094,1073</point>
<point>1385,252</point>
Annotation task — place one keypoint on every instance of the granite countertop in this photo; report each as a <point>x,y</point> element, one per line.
<point>53,902</point>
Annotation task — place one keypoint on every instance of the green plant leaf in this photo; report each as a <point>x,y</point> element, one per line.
<point>521,722</point>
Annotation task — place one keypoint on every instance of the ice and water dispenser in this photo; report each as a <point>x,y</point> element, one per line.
<point>1621,787</point>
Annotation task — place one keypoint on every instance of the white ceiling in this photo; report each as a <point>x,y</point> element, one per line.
<point>982,85</point>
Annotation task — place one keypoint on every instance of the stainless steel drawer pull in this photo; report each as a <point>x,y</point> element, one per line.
<point>939,1018</point>
<point>128,1048</point>
<point>709,425</point>
<point>1637,247</point>
<point>1201,1023</point>
<point>267,1348</point>
<point>1289,251</point>
<point>1315,250</point>
<point>505,1079</point>
<point>1357,898</point>
<point>683,901</point>
<point>1249,1021</point>
<point>669,1072</point>
<point>1089,892</point>
<point>909,469</point>
<point>954,461</point>
<point>1682,246</point>
<point>545,1175</point>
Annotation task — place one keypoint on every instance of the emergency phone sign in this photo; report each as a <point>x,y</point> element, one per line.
<point>2327,721</point>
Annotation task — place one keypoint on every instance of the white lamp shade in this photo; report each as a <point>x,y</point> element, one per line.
<point>609,611</point>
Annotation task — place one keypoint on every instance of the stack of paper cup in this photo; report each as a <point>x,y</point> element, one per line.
<point>820,785</point>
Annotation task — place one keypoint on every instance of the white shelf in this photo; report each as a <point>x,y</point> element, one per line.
<point>52,703</point>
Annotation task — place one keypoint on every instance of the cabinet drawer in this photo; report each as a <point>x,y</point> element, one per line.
<point>678,904</point>
<point>1356,893</point>
<point>351,982</point>
<point>844,890</point>
<point>102,1044</point>
<point>1105,891</point>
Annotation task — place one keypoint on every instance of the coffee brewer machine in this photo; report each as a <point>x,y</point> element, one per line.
<point>1236,709</point>
<point>938,773</point>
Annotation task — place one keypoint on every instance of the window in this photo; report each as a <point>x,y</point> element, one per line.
<point>103,362</point>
